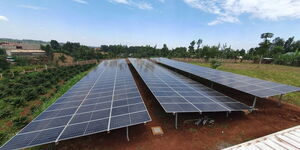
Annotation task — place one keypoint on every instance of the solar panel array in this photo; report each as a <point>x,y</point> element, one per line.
<point>106,99</point>
<point>177,93</point>
<point>253,86</point>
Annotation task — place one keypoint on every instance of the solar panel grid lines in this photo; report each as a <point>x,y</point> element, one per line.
<point>84,114</point>
<point>253,86</point>
<point>111,106</point>
<point>203,95</point>
<point>180,95</point>
<point>177,93</point>
<point>79,107</point>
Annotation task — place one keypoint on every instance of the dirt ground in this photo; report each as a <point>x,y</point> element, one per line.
<point>226,131</point>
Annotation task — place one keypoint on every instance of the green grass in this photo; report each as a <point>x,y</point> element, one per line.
<point>276,73</point>
<point>10,132</point>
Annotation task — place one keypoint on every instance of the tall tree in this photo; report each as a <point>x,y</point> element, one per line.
<point>165,50</point>
<point>265,45</point>
<point>54,45</point>
<point>199,42</point>
<point>288,45</point>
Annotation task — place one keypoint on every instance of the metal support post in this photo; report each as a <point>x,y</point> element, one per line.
<point>280,99</point>
<point>227,114</point>
<point>211,85</point>
<point>176,117</point>
<point>254,102</point>
<point>127,133</point>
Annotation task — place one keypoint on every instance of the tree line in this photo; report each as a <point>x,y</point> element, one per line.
<point>279,50</point>
<point>77,51</point>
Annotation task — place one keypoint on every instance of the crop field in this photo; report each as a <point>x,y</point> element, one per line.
<point>276,73</point>
<point>25,96</point>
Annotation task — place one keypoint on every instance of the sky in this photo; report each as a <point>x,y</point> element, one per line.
<point>238,23</point>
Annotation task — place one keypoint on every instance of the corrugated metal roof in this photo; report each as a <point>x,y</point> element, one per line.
<point>288,139</point>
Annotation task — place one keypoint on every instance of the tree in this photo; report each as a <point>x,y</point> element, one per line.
<point>278,41</point>
<point>265,45</point>
<point>54,45</point>
<point>192,47</point>
<point>288,45</point>
<point>165,50</point>
<point>199,42</point>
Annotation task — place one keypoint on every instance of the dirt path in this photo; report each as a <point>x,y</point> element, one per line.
<point>235,129</point>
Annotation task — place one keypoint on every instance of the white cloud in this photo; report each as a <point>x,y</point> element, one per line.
<point>138,4</point>
<point>3,18</point>
<point>32,7</point>
<point>81,1</point>
<point>230,10</point>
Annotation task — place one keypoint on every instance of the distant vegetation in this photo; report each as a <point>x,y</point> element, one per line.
<point>79,52</point>
<point>285,52</point>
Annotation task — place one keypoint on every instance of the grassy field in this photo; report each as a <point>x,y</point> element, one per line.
<point>276,73</point>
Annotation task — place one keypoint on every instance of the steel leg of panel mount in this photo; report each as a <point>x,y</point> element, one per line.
<point>51,146</point>
<point>280,99</point>
<point>127,133</point>
<point>227,114</point>
<point>211,85</point>
<point>254,102</point>
<point>176,119</point>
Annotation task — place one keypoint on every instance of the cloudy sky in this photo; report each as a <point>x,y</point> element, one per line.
<point>238,23</point>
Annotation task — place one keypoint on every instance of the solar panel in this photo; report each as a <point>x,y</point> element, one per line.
<point>177,93</point>
<point>106,99</point>
<point>256,87</point>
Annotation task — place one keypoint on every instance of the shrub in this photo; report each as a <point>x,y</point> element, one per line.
<point>5,112</point>
<point>30,94</point>
<point>15,101</point>
<point>41,90</point>
<point>20,122</point>
<point>44,98</point>
<point>215,64</point>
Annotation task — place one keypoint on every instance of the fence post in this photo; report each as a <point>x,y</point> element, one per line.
<point>13,75</point>
<point>35,69</point>
<point>24,71</point>
<point>1,76</point>
<point>46,67</point>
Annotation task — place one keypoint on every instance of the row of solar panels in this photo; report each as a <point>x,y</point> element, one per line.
<point>253,86</point>
<point>108,98</point>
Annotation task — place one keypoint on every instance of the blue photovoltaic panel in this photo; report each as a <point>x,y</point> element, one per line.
<point>253,86</point>
<point>106,99</point>
<point>177,93</point>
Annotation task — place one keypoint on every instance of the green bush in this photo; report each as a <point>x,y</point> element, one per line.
<point>41,90</point>
<point>5,112</point>
<point>20,122</point>
<point>15,101</point>
<point>30,94</point>
<point>215,64</point>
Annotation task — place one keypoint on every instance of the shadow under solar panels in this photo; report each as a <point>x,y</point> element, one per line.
<point>106,99</point>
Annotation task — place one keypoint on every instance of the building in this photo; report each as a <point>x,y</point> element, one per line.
<point>21,52</point>
<point>22,49</point>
